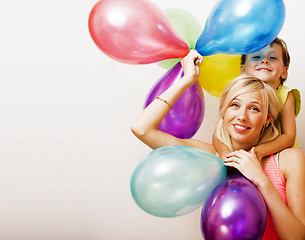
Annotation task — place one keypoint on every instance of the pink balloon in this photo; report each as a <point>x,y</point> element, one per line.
<point>134,32</point>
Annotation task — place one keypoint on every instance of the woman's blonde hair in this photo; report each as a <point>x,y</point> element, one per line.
<point>244,84</point>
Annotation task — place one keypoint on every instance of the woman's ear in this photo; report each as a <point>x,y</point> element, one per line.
<point>242,69</point>
<point>269,119</point>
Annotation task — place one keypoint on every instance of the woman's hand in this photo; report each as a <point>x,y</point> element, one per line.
<point>190,65</point>
<point>247,164</point>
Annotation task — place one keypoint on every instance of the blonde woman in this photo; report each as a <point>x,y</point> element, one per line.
<point>247,110</point>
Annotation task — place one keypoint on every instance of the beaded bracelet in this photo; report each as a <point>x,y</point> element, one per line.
<point>163,100</point>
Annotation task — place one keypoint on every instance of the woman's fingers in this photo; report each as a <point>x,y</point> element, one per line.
<point>232,159</point>
<point>190,64</point>
<point>232,162</point>
<point>194,55</point>
<point>240,154</point>
<point>239,158</point>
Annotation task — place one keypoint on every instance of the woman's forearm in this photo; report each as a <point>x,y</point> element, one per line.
<point>151,117</point>
<point>146,125</point>
<point>287,225</point>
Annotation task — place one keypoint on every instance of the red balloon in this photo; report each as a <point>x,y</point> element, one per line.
<point>134,32</point>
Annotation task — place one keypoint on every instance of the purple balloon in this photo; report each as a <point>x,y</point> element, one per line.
<point>235,209</point>
<point>186,116</point>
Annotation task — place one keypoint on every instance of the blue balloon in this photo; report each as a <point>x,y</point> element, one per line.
<point>241,26</point>
<point>175,180</point>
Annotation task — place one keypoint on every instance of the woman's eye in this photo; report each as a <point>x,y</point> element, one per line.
<point>255,109</point>
<point>234,105</point>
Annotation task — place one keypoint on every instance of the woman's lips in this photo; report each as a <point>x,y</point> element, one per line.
<point>240,128</point>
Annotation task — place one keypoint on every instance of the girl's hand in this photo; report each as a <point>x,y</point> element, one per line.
<point>190,65</point>
<point>247,164</point>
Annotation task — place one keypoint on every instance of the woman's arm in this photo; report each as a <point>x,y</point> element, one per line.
<point>146,125</point>
<point>288,220</point>
<point>220,147</point>
<point>291,224</point>
<point>288,134</point>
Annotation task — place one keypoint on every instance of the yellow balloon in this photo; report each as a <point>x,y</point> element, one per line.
<point>216,71</point>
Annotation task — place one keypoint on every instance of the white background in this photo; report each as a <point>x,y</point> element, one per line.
<point>66,150</point>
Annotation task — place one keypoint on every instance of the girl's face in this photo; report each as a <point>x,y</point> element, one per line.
<point>267,65</point>
<point>244,119</point>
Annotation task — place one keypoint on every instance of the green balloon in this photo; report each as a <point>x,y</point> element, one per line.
<point>187,27</point>
<point>175,180</point>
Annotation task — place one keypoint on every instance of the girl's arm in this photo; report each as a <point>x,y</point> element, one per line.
<point>288,220</point>
<point>288,135</point>
<point>146,125</point>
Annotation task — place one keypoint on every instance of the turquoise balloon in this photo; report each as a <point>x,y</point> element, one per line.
<point>175,180</point>
<point>241,26</point>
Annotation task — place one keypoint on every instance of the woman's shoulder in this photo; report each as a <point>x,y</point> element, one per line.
<point>201,145</point>
<point>289,153</point>
<point>291,161</point>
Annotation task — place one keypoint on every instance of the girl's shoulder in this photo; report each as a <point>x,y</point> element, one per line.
<point>282,94</point>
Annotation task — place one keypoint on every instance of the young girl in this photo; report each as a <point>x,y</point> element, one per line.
<point>271,66</point>
<point>246,107</point>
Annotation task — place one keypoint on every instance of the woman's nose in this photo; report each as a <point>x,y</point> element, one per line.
<point>242,115</point>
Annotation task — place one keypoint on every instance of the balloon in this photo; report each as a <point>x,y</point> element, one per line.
<point>241,26</point>
<point>235,209</point>
<point>184,120</point>
<point>134,32</point>
<point>217,71</point>
<point>175,180</point>
<point>188,28</point>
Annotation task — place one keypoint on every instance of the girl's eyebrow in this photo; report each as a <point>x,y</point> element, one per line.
<point>263,52</point>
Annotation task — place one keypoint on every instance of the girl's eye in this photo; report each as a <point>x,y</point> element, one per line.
<point>256,57</point>
<point>273,58</point>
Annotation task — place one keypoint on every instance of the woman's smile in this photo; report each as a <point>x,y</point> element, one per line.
<point>244,119</point>
<point>241,128</point>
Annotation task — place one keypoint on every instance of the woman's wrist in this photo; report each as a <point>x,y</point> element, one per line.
<point>190,79</point>
<point>262,183</point>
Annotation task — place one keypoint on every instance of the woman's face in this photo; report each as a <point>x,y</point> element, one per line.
<point>244,119</point>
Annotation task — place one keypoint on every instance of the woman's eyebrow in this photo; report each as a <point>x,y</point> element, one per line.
<point>256,102</point>
<point>251,101</point>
